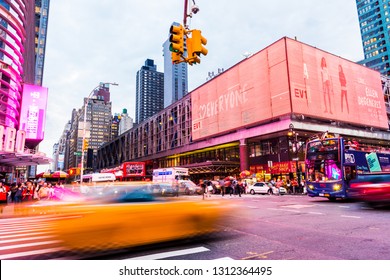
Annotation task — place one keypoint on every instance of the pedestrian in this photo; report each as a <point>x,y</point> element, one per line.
<point>279,184</point>
<point>203,186</point>
<point>237,188</point>
<point>288,186</point>
<point>210,188</point>
<point>13,190</point>
<point>294,185</point>
<point>28,191</point>
<point>44,192</point>
<point>18,193</point>
<point>222,186</point>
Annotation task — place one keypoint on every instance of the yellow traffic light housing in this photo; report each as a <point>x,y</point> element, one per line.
<point>192,57</point>
<point>176,57</point>
<point>177,42</point>
<point>198,42</point>
<point>85,144</point>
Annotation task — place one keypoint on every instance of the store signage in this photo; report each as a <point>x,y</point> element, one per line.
<point>12,140</point>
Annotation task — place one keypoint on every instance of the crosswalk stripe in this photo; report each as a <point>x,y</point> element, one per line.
<point>26,239</point>
<point>25,231</point>
<point>171,254</point>
<point>26,234</point>
<point>30,253</point>
<point>17,246</point>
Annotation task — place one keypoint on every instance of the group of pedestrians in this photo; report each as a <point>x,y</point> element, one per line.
<point>29,191</point>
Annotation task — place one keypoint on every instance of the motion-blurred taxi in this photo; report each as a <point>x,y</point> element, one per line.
<point>134,218</point>
<point>371,188</point>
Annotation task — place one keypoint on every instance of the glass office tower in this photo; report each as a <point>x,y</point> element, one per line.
<point>374,22</point>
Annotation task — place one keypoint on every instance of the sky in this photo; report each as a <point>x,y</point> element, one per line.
<point>108,41</point>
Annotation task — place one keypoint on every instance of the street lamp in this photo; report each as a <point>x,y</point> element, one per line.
<point>294,135</point>
<point>84,125</point>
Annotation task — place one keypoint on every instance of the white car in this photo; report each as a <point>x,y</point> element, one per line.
<point>280,190</point>
<point>260,187</point>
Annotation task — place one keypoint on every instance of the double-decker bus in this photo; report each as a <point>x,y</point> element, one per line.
<point>335,165</point>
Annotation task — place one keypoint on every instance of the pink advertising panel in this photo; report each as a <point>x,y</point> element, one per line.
<point>33,112</point>
<point>327,86</point>
<point>253,91</point>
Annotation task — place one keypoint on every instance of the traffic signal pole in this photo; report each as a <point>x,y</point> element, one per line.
<point>185,13</point>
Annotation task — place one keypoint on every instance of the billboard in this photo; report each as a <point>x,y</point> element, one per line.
<point>284,78</point>
<point>134,169</point>
<point>327,86</point>
<point>254,90</point>
<point>33,112</point>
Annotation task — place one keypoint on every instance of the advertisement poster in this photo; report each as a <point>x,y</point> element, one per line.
<point>33,112</point>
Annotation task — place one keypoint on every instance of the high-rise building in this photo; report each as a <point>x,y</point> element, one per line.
<point>41,20</point>
<point>23,101</point>
<point>98,128</point>
<point>374,22</point>
<point>98,119</point>
<point>126,122</point>
<point>175,78</point>
<point>116,119</point>
<point>149,91</point>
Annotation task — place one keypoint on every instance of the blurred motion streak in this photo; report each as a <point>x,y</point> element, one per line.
<point>120,219</point>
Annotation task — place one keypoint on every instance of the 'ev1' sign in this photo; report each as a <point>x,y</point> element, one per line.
<point>14,141</point>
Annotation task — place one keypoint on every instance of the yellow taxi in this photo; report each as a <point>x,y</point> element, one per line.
<point>131,217</point>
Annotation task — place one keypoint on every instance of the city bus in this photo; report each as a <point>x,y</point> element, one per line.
<point>335,165</point>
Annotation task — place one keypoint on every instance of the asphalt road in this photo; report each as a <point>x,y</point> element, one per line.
<point>287,228</point>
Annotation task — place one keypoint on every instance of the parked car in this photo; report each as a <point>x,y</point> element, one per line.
<point>280,190</point>
<point>260,187</point>
<point>187,187</point>
<point>163,189</point>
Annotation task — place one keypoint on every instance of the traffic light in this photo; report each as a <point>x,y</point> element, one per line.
<point>85,144</point>
<point>74,171</point>
<point>177,42</point>
<point>198,42</point>
<point>192,57</point>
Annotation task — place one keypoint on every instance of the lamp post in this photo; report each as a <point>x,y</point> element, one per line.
<point>84,125</point>
<point>294,136</point>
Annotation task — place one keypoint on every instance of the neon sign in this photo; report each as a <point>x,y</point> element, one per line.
<point>14,140</point>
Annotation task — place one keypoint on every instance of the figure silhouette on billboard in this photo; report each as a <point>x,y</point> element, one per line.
<point>326,85</point>
<point>343,84</point>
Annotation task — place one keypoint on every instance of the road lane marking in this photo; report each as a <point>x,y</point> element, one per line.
<point>316,213</point>
<point>354,217</point>
<point>344,206</point>
<point>257,255</point>
<point>298,206</point>
<point>171,254</point>
<point>253,207</point>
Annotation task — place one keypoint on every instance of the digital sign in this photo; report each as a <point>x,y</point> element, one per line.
<point>254,90</point>
<point>288,77</point>
<point>33,112</point>
<point>330,87</point>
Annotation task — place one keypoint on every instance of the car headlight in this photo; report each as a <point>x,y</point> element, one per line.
<point>336,187</point>
<point>311,187</point>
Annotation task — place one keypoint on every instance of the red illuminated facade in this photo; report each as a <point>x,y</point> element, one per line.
<point>287,78</point>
